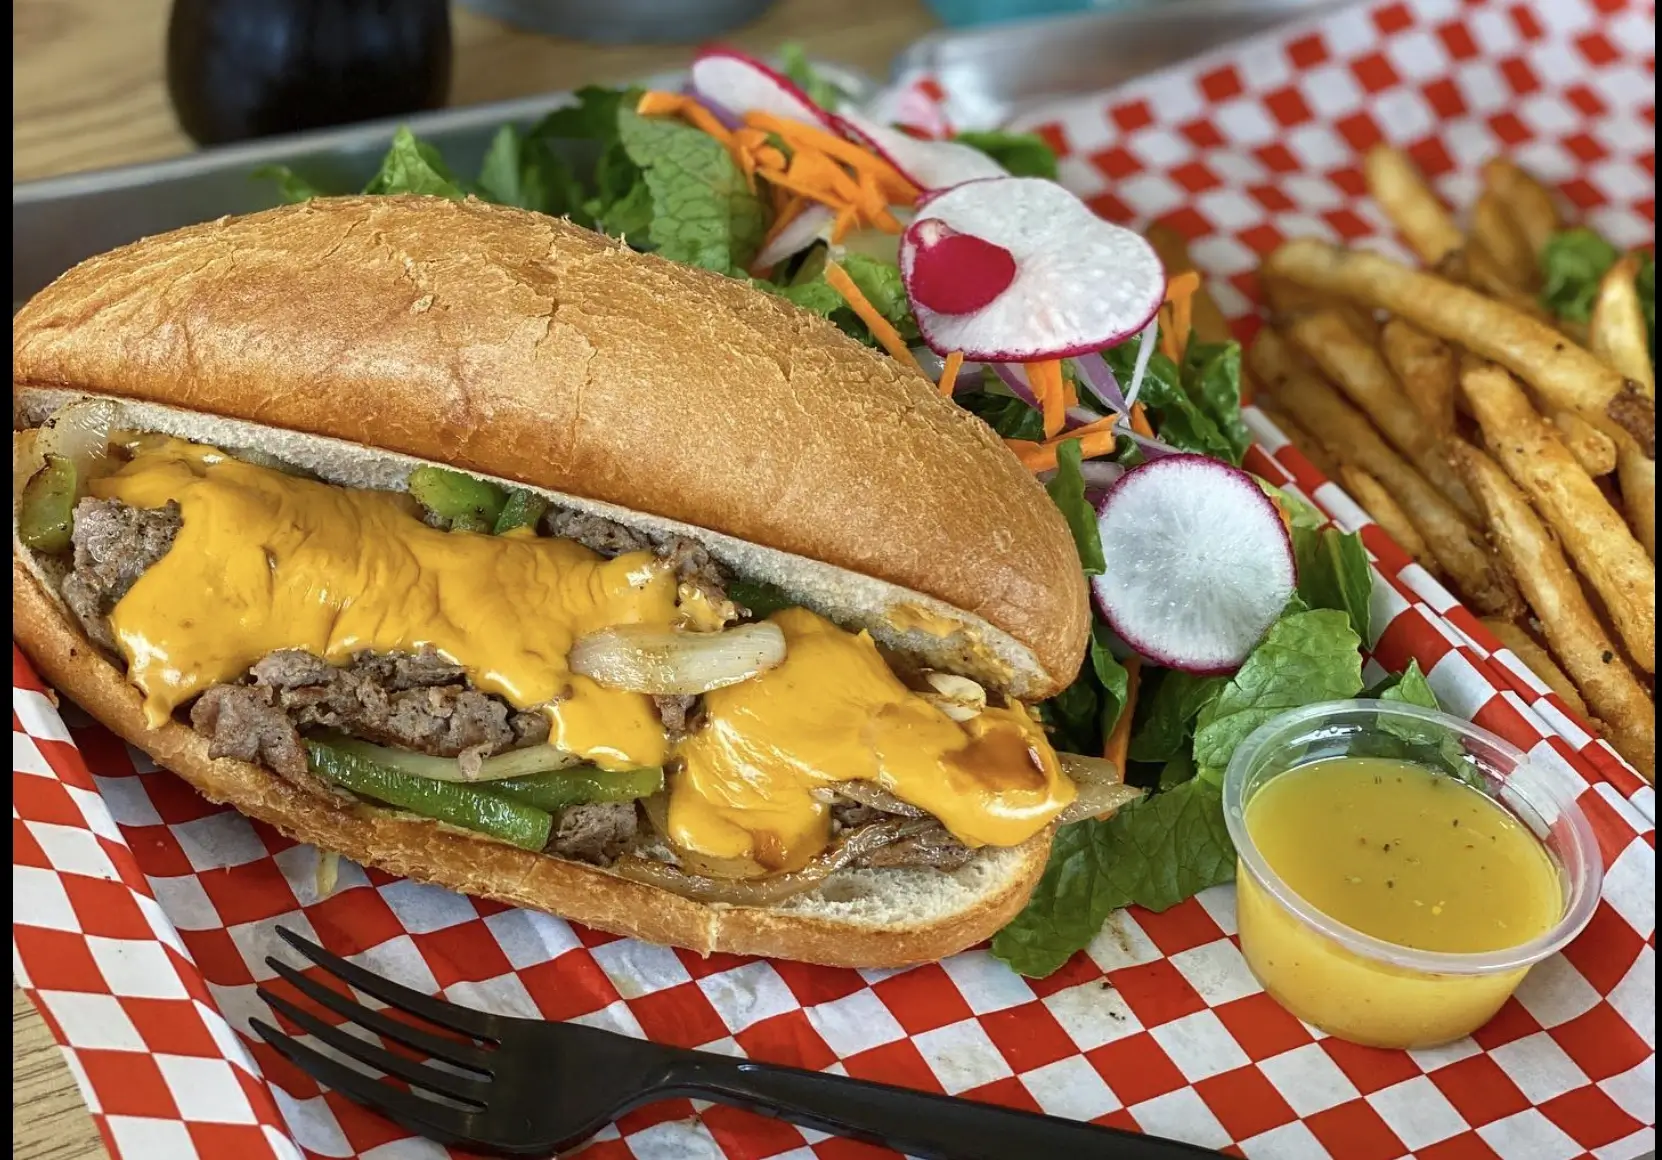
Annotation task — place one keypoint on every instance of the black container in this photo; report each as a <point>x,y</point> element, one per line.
<point>252,68</point>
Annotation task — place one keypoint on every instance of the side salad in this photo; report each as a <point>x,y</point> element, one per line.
<point>963,258</point>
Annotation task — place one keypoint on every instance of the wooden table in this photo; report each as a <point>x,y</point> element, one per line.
<point>88,92</point>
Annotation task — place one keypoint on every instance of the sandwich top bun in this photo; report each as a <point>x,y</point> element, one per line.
<point>520,347</point>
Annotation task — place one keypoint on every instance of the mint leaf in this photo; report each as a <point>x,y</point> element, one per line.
<point>794,64</point>
<point>1007,415</point>
<point>594,117</point>
<point>291,187</point>
<point>1067,491</point>
<point>1154,853</point>
<point>1304,658</point>
<point>1333,572</point>
<point>1166,709</point>
<point>703,213</point>
<point>1022,154</point>
<point>1212,377</point>
<point>413,166</point>
<point>1572,262</point>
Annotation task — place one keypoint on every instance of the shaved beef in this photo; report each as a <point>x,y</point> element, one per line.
<point>934,847</point>
<point>114,544</point>
<point>245,722</point>
<point>690,559</point>
<point>594,833</point>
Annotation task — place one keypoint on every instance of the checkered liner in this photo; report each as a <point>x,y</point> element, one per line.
<point>144,914</point>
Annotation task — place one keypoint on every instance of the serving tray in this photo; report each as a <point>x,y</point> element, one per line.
<point>143,913</point>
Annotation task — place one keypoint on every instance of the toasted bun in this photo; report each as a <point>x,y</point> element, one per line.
<point>860,918</point>
<point>524,348</point>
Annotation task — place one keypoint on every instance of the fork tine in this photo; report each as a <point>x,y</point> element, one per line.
<point>464,1019</point>
<point>421,1116</point>
<point>445,1083</point>
<point>439,1046</point>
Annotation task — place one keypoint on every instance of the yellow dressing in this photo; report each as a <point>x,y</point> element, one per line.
<point>834,711</point>
<point>1408,856</point>
<point>267,561</point>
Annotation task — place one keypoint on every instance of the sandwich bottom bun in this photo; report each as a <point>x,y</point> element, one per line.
<point>859,918</point>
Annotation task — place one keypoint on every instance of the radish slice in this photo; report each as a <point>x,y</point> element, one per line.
<point>928,165</point>
<point>1081,283</point>
<point>955,273</point>
<point>744,84</point>
<point>799,233</point>
<point>1199,563</point>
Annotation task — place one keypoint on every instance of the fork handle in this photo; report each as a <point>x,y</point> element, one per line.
<point>921,1124</point>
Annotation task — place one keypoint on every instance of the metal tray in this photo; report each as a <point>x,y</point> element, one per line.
<point>60,221</point>
<point>996,72</point>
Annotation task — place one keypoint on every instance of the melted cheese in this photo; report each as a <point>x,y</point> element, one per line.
<point>266,561</point>
<point>834,711</point>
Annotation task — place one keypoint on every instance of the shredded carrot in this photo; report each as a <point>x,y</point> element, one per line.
<point>1070,392</point>
<point>1139,421</point>
<point>784,216</point>
<point>879,326</point>
<point>701,118</point>
<point>1119,741</point>
<point>1038,457</point>
<point>949,372</point>
<point>798,135</point>
<point>1180,295</point>
<point>657,104</point>
<point>1046,379</point>
<point>1104,424</point>
<point>847,218</point>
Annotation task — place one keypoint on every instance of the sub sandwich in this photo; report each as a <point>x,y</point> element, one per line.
<point>476,547</point>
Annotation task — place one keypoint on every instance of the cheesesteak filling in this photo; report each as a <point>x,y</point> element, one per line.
<point>778,750</point>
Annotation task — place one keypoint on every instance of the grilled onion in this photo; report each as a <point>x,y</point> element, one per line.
<point>1097,800</point>
<point>81,434</point>
<point>513,763</point>
<point>958,697</point>
<point>775,888</point>
<point>642,659</point>
<point>1090,770</point>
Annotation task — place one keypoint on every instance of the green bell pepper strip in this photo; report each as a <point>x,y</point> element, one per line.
<point>524,509</point>
<point>465,503</point>
<point>46,515</point>
<point>470,807</point>
<point>581,785</point>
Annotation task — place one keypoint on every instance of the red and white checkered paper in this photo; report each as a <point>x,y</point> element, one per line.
<point>143,914</point>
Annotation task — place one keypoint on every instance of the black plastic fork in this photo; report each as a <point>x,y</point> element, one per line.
<point>530,1088</point>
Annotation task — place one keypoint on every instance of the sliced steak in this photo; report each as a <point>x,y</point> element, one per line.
<point>674,712</point>
<point>114,544</point>
<point>594,833</point>
<point>691,560</point>
<point>245,722</point>
<point>414,701</point>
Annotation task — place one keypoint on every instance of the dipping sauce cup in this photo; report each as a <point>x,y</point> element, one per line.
<point>1363,988</point>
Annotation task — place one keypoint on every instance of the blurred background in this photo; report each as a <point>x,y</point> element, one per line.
<point>98,83</point>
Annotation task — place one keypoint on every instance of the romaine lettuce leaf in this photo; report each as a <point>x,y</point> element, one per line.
<point>1333,572</point>
<point>1067,491</point>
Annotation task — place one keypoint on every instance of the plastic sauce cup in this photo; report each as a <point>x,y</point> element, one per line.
<point>1361,988</point>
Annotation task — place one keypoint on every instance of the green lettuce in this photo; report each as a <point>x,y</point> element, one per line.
<point>1022,154</point>
<point>1067,491</point>
<point>1333,572</point>
<point>1572,262</point>
<point>1080,717</point>
<point>1196,408</point>
<point>795,65</point>
<point>703,212</point>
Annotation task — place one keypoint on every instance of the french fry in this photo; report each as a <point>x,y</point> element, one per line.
<point>1592,448</point>
<point>1427,369</point>
<point>1348,360</point>
<point>1636,474</point>
<point>1479,269</point>
<point>1617,333</point>
<point>1568,376</point>
<point>1529,203</point>
<point>1401,191</point>
<point>1307,444</point>
<point>1209,322</point>
<point>1288,300</point>
<point>1538,661</point>
<point>1346,433</point>
<point>1384,510</point>
<point>1572,629</point>
<point>1498,236</point>
<point>1592,532</point>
